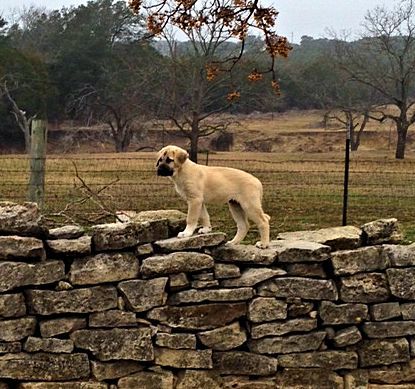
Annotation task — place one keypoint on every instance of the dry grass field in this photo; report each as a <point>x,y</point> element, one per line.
<point>302,177</point>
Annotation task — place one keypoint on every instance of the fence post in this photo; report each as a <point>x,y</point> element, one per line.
<point>346,174</point>
<point>37,161</point>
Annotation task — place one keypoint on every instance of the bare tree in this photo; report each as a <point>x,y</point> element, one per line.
<point>384,60</point>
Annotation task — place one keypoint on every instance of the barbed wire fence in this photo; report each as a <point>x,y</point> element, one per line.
<point>298,193</point>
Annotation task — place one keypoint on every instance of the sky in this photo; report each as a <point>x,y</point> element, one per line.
<point>296,18</point>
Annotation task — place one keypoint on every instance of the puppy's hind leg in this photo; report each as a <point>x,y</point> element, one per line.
<point>205,221</point>
<point>241,221</point>
<point>261,219</point>
<point>194,208</point>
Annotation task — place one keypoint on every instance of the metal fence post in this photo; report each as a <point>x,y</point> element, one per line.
<point>37,162</point>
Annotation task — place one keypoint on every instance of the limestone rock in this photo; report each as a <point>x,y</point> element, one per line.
<point>333,360</point>
<point>178,281</point>
<point>382,231</point>
<point>241,382</point>
<point>17,329</point>
<point>66,232</point>
<point>212,295</point>
<point>21,248</point>
<point>134,344</point>
<point>111,370</point>
<point>347,337</point>
<point>408,311</point>
<point>42,367</point>
<point>144,250</point>
<point>399,256</point>
<point>198,379</point>
<point>364,288</point>
<point>70,247</point>
<point>334,314</point>
<point>103,268</point>
<point>243,363</point>
<point>183,359</point>
<point>293,251</point>
<point>147,380</point>
<point>12,305</point>
<point>224,338</point>
<point>199,284</point>
<point>385,311</point>
<point>17,274</point>
<point>10,347</point>
<point>64,385</point>
<point>198,317</point>
<point>176,341</point>
<point>175,263</point>
<point>21,219</point>
<point>383,352</point>
<point>393,375</point>
<point>287,344</point>
<point>95,299</point>
<point>262,309</point>
<point>253,276</point>
<point>307,288</point>
<point>338,238</point>
<point>194,242</point>
<point>155,230</point>
<point>64,325</point>
<point>226,270</point>
<point>283,327</point>
<point>364,259</point>
<point>142,295</point>
<point>246,254</point>
<point>315,270</point>
<point>308,378</point>
<point>402,282</point>
<point>393,329</point>
<point>299,308</point>
<point>49,345</point>
<point>112,318</point>
<point>115,236</point>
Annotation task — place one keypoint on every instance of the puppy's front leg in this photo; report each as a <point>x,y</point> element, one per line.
<point>194,207</point>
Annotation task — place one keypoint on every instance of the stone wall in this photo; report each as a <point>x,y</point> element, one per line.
<point>124,306</point>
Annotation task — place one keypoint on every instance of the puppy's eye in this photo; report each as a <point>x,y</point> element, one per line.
<point>168,160</point>
<point>158,162</point>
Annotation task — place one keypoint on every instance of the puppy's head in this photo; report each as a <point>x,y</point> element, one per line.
<point>170,159</point>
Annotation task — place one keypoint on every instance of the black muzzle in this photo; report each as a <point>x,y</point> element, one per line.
<point>165,171</point>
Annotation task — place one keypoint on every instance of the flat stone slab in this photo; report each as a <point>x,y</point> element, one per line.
<point>253,276</point>
<point>102,268</point>
<point>42,367</point>
<point>21,219</point>
<point>292,251</point>
<point>400,256</point>
<point>333,360</point>
<point>48,345</point>
<point>194,242</point>
<point>363,259</point>
<point>21,248</point>
<point>385,311</point>
<point>389,329</point>
<point>382,231</point>
<point>115,369</point>
<point>287,344</point>
<point>142,295</point>
<point>116,236</point>
<point>299,287</point>
<point>402,283</point>
<point>12,305</point>
<point>308,378</point>
<point>211,295</point>
<point>133,344</point>
<point>174,263</point>
<point>223,338</point>
<point>64,385</point>
<point>244,363</point>
<point>263,309</point>
<point>112,318</point>
<point>17,274</point>
<point>183,359</point>
<point>347,337</point>
<point>63,325</point>
<point>195,379</point>
<point>176,341</point>
<point>280,328</point>
<point>95,299</point>
<point>70,247</point>
<point>226,270</point>
<point>245,254</point>
<point>338,314</point>
<point>338,238</point>
<point>365,288</point>
<point>66,232</point>
<point>160,379</point>
<point>383,352</point>
<point>17,329</point>
<point>198,317</point>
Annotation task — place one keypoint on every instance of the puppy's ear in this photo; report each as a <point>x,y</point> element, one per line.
<point>181,156</point>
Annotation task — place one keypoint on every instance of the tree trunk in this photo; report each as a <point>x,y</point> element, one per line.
<point>193,147</point>
<point>400,146</point>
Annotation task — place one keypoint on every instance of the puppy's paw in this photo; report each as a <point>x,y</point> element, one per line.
<point>261,245</point>
<point>204,230</point>
<point>184,234</point>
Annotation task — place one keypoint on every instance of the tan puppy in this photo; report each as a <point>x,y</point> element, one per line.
<point>199,185</point>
